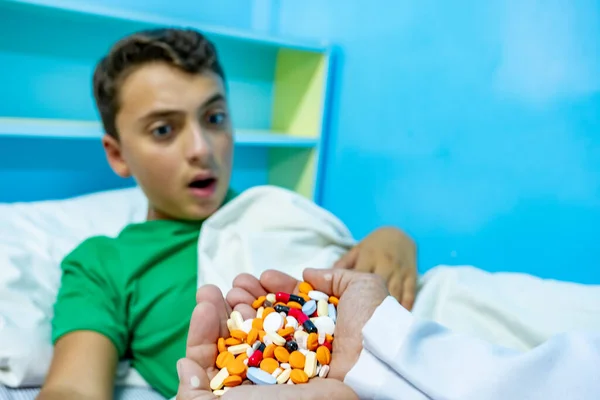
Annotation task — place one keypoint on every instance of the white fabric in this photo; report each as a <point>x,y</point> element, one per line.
<point>421,359</point>
<point>267,227</point>
<point>34,238</point>
<point>515,310</point>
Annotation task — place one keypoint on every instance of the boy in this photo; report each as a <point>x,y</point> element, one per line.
<point>162,99</point>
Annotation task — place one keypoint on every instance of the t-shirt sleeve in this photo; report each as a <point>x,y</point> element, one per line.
<point>90,295</point>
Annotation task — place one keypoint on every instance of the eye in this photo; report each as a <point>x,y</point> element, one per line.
<point>217,118</point>
<point>162,131</point>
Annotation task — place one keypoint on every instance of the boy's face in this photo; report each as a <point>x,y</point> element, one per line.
<point>175,138</point>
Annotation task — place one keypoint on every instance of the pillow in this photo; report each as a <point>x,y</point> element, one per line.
<point>34,238</point>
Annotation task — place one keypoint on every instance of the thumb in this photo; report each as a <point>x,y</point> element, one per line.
<point>193,381</point>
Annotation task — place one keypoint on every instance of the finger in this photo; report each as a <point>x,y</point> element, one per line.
<point>193,381</point>
<point>203,335</point>
<point>250,284</point>
<point>212,294</point>
<point>276,281</point>
<point>365,261</point>
<point>409,292</point>
<point>348,260</point>
<point>396,285</point>
<point>237,296</point>
<point>246,310</point>
<point>385,268</point>
<point>332,281</point>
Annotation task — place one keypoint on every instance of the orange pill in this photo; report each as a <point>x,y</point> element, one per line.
<point>232,341</point>
<point>269,351</point>
<point>297,360</point>
<point>305,287</point>
<point>328,338</point>
<point>267,311</point>
<point>334,300</point>
<point>282,355</point>
<point>257,323</point>
<point>312,342</point>
<point>224,358</point>
<point>221,345</point>
<point>286,332</point>
<point>269,365</point>
<point>252,336</point>
<point>242,356</point>
<point>236,367</point>
<point>261,335</point>
<point>293,304</point>
<point>304,296</point>
<point>259,302</point>
<point>238,334</point>
<point>298,376</point>
<point>279,303</point>
<point>323,355</point>
<point>232,381</point>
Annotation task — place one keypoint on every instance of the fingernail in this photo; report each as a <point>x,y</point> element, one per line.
<point>179,370</point>
<point>195,382</point>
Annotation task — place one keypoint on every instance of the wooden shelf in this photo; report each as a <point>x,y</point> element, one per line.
<point>64,129</point>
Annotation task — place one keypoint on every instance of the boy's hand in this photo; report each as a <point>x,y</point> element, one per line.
<point>391,254</point>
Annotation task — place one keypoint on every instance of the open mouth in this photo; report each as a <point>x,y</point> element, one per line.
<point>203,183</point>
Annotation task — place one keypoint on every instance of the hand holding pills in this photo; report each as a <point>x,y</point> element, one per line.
<point>215,330</point>
<point>359,295</point>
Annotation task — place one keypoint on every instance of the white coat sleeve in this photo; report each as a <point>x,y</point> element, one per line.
<point>408,358</point>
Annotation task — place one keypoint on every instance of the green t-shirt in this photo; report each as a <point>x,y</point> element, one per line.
<point>138,290</point>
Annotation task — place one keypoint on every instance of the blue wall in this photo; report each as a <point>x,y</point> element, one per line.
<point>473,125</point>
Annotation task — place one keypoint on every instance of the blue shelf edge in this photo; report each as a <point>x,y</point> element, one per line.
<point>135,16</point>
<point>77,130</point>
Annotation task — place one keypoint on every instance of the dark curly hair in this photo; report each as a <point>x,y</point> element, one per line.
<point>186,49</point>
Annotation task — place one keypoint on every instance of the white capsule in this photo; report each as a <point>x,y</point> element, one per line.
<point>316,295</point>
<point>285,366</point>
<point>237,318</point>
<point>310,365</point>
<point>271,298</point>
<point>217,382</point>
<point>259,312</point>
<point>324,371</point>
<point>322,338</point>
<point>284,376</point>
<point>276,373</point>
<point>238,348</point>
<point>322,308</point>
<point>277,340</point>
<point>304,351</point>
<point>230,325</point>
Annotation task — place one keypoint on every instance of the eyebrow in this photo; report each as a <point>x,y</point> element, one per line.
<point>157,114</point>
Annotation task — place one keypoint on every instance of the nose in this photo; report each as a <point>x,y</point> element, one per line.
<point>198,147</point>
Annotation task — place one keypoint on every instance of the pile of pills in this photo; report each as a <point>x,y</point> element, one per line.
<point>288,342</point>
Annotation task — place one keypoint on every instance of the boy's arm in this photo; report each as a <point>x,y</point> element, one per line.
<point>83,367</point>
<point>89,328</point>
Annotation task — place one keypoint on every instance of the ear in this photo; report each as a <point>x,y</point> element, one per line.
<point>114,156</point>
